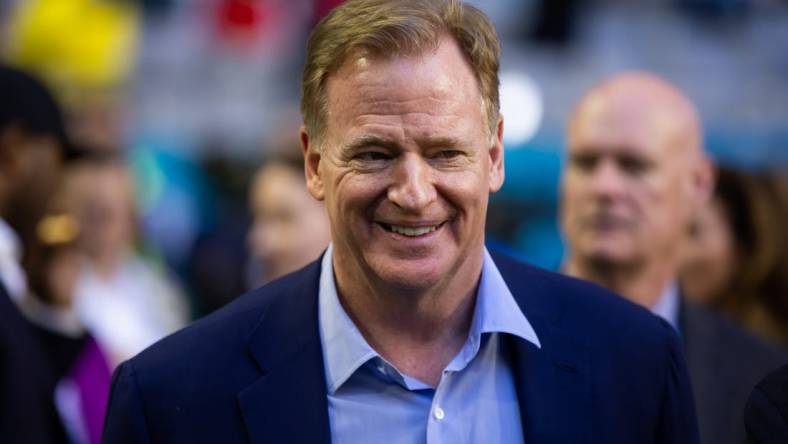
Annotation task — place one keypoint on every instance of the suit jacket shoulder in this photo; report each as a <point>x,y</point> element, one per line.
<point>613,367</point>
<point>602,317</point>
<point>204,383</point>
<point>207,342</point>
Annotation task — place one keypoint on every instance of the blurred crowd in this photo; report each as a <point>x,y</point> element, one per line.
<point>115,231</point>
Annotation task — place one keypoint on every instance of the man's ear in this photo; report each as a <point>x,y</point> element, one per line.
<point>11,139</point>
<point>703,179</point>
<point>496,158</point>
<point>312,157</point>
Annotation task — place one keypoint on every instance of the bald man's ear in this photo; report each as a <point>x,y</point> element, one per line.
<point>312,158</point>
<point>704,177</point>
<point>496,158</point>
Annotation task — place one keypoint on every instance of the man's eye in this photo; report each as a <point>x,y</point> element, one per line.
<point>449,154</point>
<point>371,156</point>
<point>584,162</point>
<point>634,165</point>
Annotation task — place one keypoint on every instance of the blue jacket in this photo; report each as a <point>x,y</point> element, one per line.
<point>608,371</point>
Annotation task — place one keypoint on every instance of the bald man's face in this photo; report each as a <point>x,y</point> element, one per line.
<point>628,186</point>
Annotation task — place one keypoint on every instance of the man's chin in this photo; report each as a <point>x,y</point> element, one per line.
<point>613,248</point>
<point>606,259</point>
<point>410,275</point>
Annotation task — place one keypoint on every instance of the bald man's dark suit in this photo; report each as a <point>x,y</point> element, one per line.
<point>724,364</point>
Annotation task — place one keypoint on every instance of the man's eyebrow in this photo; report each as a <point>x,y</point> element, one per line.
<point>369,140</point>
<point>581,153</point>
<point>442,142</point>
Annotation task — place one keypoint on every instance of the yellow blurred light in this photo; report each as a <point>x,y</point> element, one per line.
<point>57,229</point>
<point>80,42</point>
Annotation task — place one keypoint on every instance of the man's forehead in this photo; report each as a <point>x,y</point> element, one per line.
<point>444,64</point>
<point>627,124</point>
<point>639,109</point>
<point>437,83</point>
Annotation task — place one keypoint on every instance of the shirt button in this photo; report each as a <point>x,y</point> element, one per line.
<point>438,413</point>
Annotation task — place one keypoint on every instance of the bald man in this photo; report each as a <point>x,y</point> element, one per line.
<point>635,174</point>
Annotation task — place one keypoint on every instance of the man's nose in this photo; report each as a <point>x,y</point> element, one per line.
<point>607,180</point>
<point>412,188</point>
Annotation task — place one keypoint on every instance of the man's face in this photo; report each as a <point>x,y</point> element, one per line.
<point>103,201</point>
<point>31,178</point>
<point>406,169</point>
<point>290,228</point>
<point>627,186</point>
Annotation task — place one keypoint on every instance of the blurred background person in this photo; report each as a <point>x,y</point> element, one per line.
<point>635,175</point>
<point>121,295</point>
<point>33,144</point>
<point>289,227</point>
<point>736,258</point>
<point>52,264</point>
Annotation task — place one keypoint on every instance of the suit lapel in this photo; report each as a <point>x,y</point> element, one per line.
<point>553,382</point>
<point>288,403</point>
<point>553,389</point>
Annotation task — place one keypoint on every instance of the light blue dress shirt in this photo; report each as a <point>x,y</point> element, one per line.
<point>370,401</point>
<point>667,306</point>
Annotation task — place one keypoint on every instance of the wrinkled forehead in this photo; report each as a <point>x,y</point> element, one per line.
<point>377,84</point>
<point>443,63</point>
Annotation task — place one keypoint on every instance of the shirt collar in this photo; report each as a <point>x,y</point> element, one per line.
<point>345,349</point>
<point>9,241</point>
<point>667,306</point>
<point>11,274</point>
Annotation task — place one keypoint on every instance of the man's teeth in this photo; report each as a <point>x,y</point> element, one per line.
<point>407,231</point>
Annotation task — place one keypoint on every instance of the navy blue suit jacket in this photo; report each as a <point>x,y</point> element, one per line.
<point>608,371</point>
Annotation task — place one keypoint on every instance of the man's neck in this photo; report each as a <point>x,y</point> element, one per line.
<point>641,283</point>
<point>419,331</point>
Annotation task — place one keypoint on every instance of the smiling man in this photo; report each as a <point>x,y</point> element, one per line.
<point>407,330</point>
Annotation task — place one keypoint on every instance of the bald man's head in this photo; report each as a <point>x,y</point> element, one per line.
<point>630,105</point>
<point>635,172</point>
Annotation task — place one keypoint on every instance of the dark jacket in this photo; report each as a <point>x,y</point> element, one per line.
<point>608,371</point>
<point>27,381</point>
<point>724,364</point>
<point>766,412</point>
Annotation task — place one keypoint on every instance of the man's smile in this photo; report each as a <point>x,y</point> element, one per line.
<point>411,231</point>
